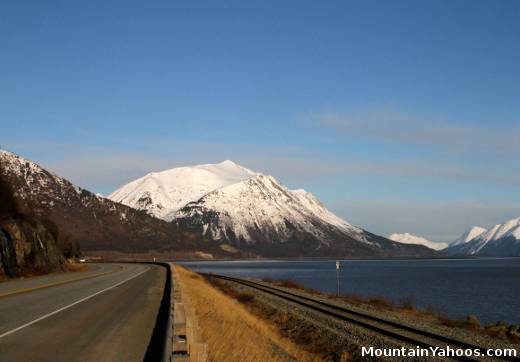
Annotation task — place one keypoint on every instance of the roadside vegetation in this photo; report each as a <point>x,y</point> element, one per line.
<point>231,331</point>
<point>311,338</point>
<point>330,341</point>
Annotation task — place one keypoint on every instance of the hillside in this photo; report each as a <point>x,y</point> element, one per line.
<point>230,204</point>
<point>28,245</point>
<point>468,235</point>
<point>407,238</point>
<point>98,224</point>
<point>500,240</point>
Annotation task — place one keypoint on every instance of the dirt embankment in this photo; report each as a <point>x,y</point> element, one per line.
<point>232,332</point>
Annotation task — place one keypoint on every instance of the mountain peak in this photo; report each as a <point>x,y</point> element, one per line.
<point>229,203</point>
<point>228,162</point>
<point>510,228</point>
<point>500,240</point>
<point>407,238</point>
<point>469,235</point>
<point>161,193</point>
<point>253,198</point>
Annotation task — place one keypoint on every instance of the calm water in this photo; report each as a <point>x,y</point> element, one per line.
<point>488,288</point>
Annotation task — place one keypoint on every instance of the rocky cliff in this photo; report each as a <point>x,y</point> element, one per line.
<point>28,245</point>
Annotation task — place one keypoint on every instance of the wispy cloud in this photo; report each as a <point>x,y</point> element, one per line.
<point>103,168</point>
<point>103,173</point>
<point>390,125</point>
<point>437,221</point>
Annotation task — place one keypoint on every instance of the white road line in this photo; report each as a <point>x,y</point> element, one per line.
<point>70,305</point>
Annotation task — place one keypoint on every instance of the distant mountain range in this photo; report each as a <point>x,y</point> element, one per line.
<point>468,235</point>
<point>500,240</point>
<point>231,204</point>
<point>407,238</point>
<point>217,210</point>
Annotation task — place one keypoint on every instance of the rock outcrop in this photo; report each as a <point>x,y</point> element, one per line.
<point>28,245</point>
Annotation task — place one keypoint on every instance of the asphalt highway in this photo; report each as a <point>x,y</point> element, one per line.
<point>105,314</point>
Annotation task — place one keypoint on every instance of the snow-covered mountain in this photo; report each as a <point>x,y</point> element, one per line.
<point>96,223</point>
<point>407,238</point>
<point>226,202</point>
<point>161,194</point>
<point>500,240</point>
<point>261,207</point>
<point>468,235</point>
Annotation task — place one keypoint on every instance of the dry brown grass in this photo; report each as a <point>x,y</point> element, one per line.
<point>231,331</point>
<point>291,325</point>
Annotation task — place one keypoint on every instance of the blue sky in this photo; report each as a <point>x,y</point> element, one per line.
<point>402,116</point>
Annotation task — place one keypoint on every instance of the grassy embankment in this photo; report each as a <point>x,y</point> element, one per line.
<point>231,331</point>
<point>317,339</point>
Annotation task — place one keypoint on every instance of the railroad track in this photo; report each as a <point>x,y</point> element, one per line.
<point>401,332</point>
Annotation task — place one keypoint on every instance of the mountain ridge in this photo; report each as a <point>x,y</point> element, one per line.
<point>111,229</point>
<point>160,193</point>
<point>468,235</point>
<point>500,240</point>
<point>408,238</point>
<point>96,223</point>
<point>252,211</point>
<point>29,245</point>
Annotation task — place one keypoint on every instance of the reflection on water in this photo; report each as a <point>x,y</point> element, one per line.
<point>488,288</point>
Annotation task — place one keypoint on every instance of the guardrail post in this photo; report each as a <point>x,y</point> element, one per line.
<point>187,340</point>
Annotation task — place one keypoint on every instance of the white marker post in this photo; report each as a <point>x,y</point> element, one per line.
<point>338,267</point>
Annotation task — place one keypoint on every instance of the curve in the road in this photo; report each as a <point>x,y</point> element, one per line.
<point>110,317</point>
<point>71,304</point>
<point>52,284</point>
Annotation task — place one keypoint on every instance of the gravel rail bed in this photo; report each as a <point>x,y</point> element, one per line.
<point>397,316</point>
<point>342,337</point>
<point>328,336</point>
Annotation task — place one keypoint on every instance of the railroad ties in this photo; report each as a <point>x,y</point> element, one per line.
<point>398,331</point>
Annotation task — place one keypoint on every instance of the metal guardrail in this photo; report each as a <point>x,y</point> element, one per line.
<point>164,336</point>
<point>188,344</point>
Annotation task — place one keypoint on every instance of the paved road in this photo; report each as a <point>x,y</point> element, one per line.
<point>19,284</point>
<point>103,318</point>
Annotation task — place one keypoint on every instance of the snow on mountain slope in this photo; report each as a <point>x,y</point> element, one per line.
<point>96,223</point>
<point>507,229</point>
<point>494,236</point>
<point>244,196</point>
<point>318,209</point>
<point>277,222</point>
<point>469,235</point>
<point>29,171</point>
<point>262,208</point>
<point>407,238</point>
<point>162,193</point>
<point>500,240</point>
<point>228,203</point>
